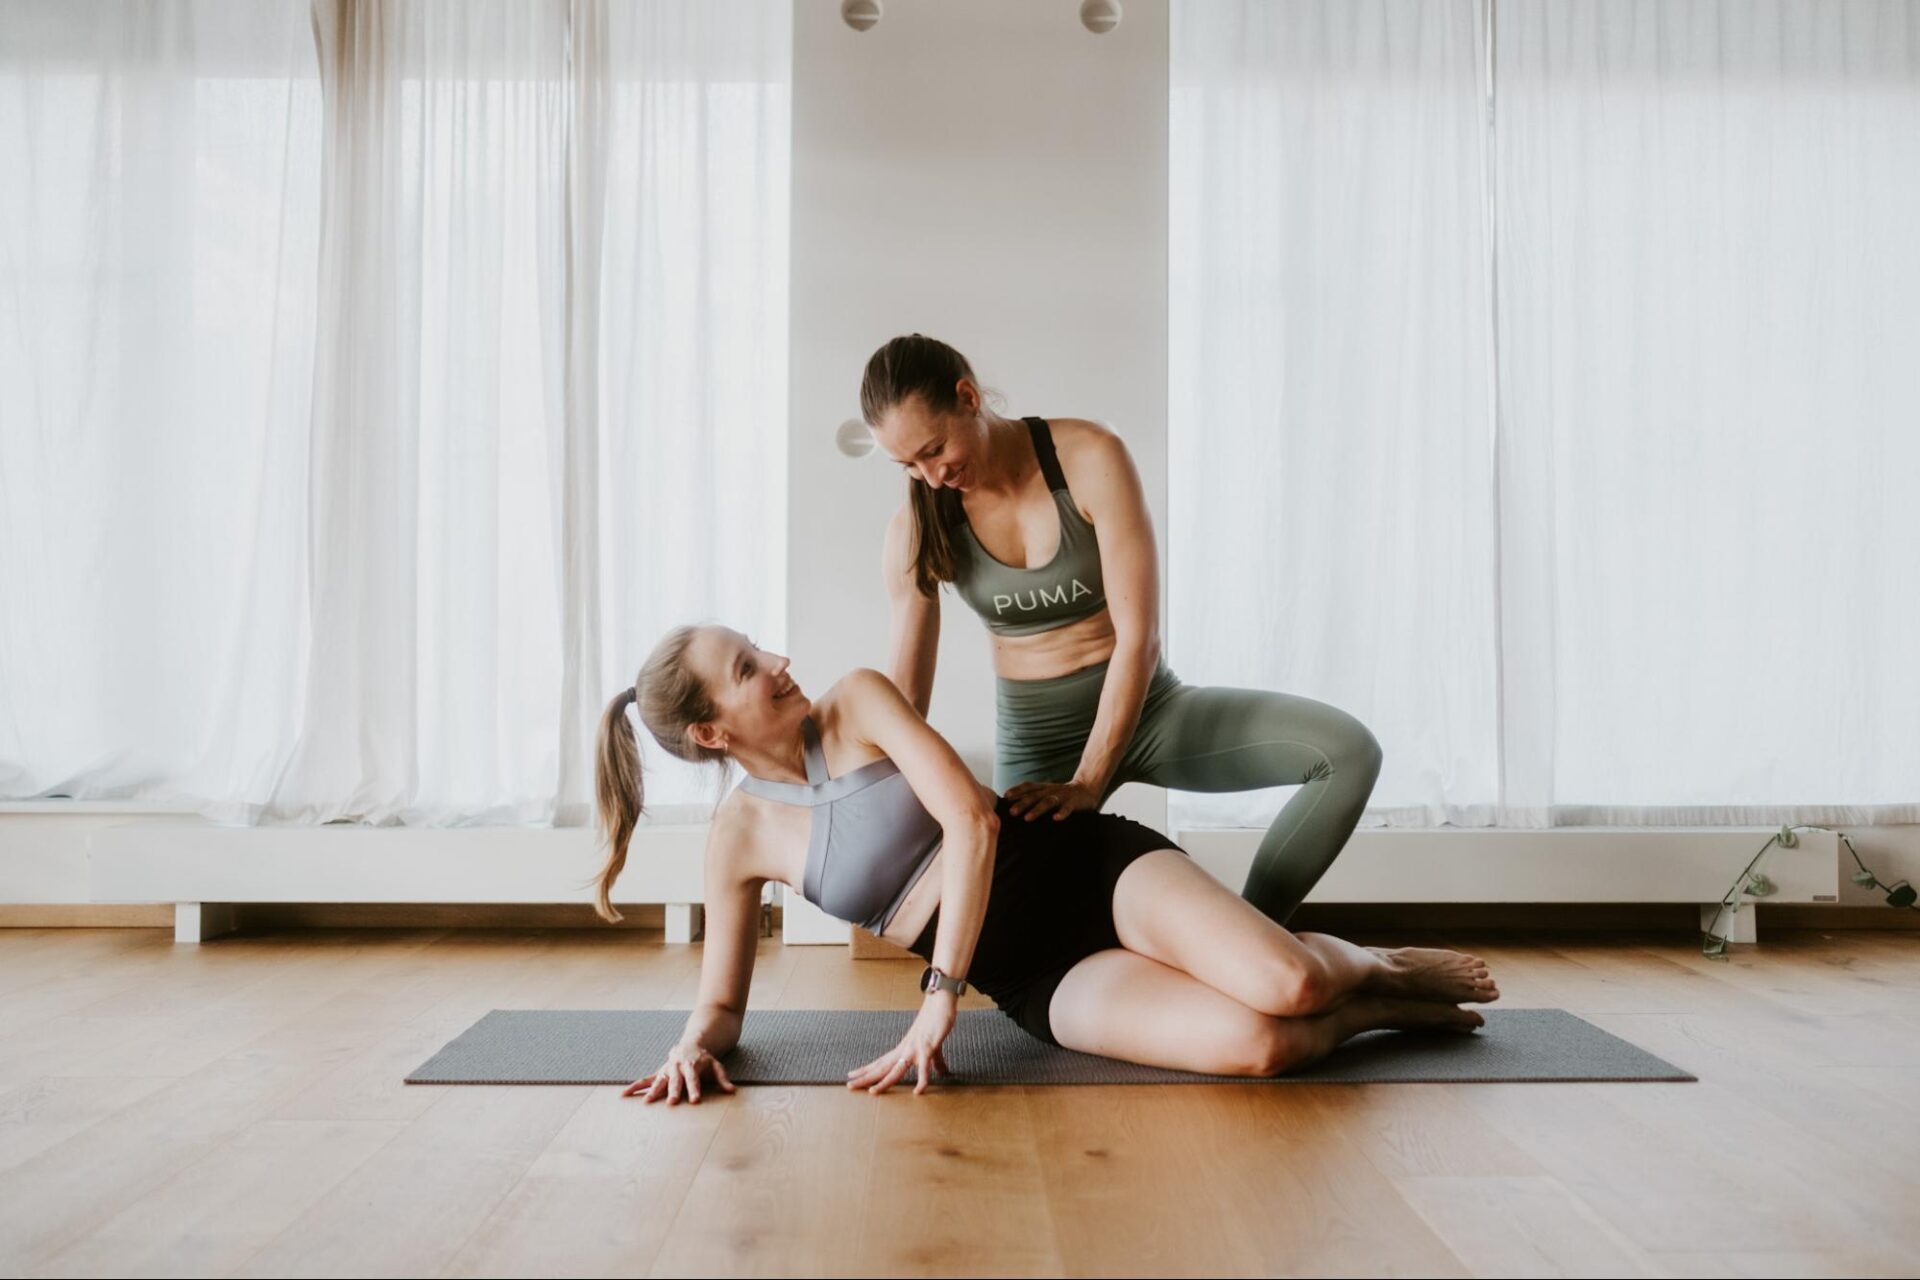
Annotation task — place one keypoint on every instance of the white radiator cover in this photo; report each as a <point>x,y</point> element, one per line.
<point>1564,864</point>
<point>175,861</point>
<point>104,854</point>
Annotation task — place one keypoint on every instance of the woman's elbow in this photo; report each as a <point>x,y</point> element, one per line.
<point>978,828</point>
<point>1144,641</point>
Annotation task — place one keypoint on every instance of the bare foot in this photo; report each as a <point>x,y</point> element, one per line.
<point>1426,973</point>
<point>1423,1015</point>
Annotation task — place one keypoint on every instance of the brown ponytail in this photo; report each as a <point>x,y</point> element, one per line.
<point>671,698</point>
<point>617,794</point>
<point>916,365</point>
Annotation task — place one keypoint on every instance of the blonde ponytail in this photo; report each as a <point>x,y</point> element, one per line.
<point>671,698</point>
<point>617,795</point>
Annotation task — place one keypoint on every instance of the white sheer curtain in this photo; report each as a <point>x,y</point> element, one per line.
<point>1331,489</point>
<point>1699,231</point>
<point>159,226</point>
<point>437,416</point>
<point>1709,219</point>
<point>540,306</point>
<point>692,315</point>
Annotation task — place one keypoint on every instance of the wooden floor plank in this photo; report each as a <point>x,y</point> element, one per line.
<point>238,1108</point>
<point>1784,1264</point>
<point>41,1114</point>
<point>55,1198</point>
<point>1417,1130</point>
<point>214,1214</point>
<point>784,1188</point>
<point>957,1188</point>
<point>413,1205</point>
<point>600,1199</point>
<point>1228,1180</point>
<point>1522,1226</point>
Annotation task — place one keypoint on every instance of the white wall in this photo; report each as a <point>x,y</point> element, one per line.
<point>994,175</point>
<point>989,172</point>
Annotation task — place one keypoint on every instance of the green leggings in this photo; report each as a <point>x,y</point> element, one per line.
<point>1207,739</point>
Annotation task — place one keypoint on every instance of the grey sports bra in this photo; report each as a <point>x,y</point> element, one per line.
<point>1021,602</point>
<point>870,840</point>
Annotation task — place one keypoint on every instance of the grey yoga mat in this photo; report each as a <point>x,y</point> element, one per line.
<point>819,1046</point>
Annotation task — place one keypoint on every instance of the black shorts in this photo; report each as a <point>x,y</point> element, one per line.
<point>1050,908</point>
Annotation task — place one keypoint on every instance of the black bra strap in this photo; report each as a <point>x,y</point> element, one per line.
<point>1043,449</point>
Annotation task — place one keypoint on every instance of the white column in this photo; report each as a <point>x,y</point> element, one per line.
<point>992,174</point>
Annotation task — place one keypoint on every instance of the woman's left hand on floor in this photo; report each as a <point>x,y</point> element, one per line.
<point>1031,799</point>
<point>919,1048</point>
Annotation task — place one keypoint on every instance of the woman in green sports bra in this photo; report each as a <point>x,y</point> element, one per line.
<point>1043,530</point>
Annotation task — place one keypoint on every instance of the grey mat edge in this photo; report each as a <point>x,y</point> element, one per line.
<point>1662,1073</point>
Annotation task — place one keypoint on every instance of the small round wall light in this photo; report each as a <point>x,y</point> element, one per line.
<point>861,15</point>
<point>1100,16</point>
<point>853,438</point>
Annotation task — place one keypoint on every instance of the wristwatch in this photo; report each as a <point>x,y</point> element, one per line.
<point>933,980</point>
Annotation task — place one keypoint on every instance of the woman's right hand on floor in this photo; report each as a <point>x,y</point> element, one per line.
<point>679,1078</point>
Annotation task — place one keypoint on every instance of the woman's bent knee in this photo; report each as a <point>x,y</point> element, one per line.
<point>1293,988</point>
<point>1272,1049</point>
<point>1360,753</point>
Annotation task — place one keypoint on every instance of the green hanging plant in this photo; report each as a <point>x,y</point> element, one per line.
<point>1751,882</point>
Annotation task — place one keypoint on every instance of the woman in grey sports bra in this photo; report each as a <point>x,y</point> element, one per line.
<point>1093,932</point>
<point>1084,701</point>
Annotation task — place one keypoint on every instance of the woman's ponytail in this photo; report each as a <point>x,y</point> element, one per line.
<point>617,794</point>
<point>916,365</point>
<point>669,697</point>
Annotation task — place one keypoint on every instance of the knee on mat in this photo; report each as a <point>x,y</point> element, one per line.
<point>1271,1049</point>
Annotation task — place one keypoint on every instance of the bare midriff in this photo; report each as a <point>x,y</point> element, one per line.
<point>1041,656</point>
<point>918,908</point>
<point>1059,652</point>
<point>787,826</point>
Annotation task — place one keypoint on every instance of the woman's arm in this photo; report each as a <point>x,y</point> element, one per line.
<point>726,970</point>
<point>880,716</point>
<point>916,618</point>
<point>1104,476</point>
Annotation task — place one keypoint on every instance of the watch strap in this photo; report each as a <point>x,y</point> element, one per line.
<point>933,980</point>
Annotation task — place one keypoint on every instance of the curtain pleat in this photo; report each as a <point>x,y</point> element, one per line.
<point>367,475</point>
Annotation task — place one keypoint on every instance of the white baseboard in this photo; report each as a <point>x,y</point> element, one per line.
<point>174,862</point>
<point>1561,864</point>
<point>118,857</point>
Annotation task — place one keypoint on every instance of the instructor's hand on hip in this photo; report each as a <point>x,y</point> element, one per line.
<point>919,1048</point>
<point>1032,799</point>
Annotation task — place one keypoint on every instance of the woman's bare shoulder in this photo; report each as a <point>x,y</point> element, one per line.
<point>854,708</point>
<point>738,831</point>
<point>847,698</point>
<point>1098,467</point>
<point>1079,435</point>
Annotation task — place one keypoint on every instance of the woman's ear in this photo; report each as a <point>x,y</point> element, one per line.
<point>707,736</point>
<point>968,394</point>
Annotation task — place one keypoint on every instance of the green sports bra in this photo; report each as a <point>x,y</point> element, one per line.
<point>1021,602</point>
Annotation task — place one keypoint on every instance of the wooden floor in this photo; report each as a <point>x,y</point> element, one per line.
<point>236,1109</point>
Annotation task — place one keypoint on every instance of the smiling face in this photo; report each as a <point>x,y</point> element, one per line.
<point>943,450</point>
<point>756,702</point>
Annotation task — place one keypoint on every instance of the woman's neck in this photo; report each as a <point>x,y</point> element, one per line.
<point>782,762</point>
<point>1009,460</point>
